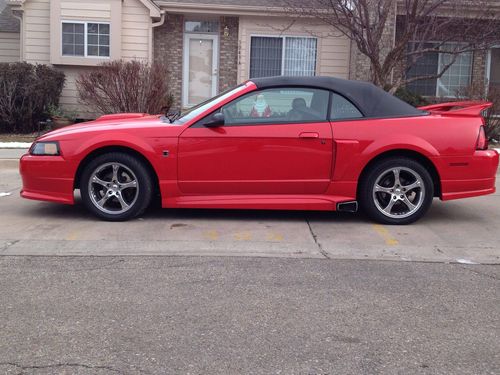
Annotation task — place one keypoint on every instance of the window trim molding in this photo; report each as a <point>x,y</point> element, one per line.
<point>487,67</point>
<point>282,37</point>
<point>85,39</point>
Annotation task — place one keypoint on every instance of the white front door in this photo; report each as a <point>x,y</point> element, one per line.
<point>200,69</point>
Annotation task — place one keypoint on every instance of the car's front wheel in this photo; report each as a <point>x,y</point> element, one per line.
<point>116,186</point>
<point>396,191</point>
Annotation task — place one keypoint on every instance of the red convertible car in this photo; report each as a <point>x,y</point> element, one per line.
<point>291,143</point>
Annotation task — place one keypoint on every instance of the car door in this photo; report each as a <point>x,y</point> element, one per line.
<point>273,141</point>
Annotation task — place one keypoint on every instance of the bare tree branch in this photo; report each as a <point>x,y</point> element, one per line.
<point>423,27</point>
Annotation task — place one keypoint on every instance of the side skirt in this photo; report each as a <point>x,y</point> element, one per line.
<point>259,202</point>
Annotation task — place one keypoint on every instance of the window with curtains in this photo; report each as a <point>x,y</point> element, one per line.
<point>275,56</point>
<point>455,78</point>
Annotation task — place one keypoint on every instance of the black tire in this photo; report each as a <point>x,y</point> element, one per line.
<point>123,204</point>
<point>386,201</point>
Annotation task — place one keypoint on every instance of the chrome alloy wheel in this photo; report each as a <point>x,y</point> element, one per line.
<point>398,192</point>
<point>113,188</point>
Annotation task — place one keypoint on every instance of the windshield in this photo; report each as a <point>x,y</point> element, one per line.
<point>192,112</point>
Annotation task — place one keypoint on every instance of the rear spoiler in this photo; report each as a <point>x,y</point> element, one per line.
<point>121,116</point>
<point>467,108</point>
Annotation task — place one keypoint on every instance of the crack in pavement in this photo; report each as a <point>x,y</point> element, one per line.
<point>58,365</point>
<point>315,238</point>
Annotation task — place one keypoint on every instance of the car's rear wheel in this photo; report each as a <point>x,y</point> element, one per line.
<point>116,187</point>
<point>396,191</point>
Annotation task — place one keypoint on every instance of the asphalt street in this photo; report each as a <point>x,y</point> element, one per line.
<point>230,315</point>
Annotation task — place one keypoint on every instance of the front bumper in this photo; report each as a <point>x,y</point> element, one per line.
<point>472,177</point>
<point>47,178</point>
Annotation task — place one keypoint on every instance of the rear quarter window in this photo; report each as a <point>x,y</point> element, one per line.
<point>343,109</point>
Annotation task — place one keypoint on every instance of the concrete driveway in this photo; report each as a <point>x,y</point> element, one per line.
<point>464,231</point>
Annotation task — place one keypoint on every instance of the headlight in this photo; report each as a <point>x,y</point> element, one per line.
<point>45,148</point>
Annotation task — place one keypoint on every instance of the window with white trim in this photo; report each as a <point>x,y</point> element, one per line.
<point>85,39</point>
<point>456,77</point>
<point>282,55</point>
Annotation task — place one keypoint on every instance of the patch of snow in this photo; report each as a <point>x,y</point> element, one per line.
<point>466,261</point>
<point>5,194</point>
<point>15,145</point>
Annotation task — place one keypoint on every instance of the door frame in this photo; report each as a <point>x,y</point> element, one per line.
<point>185,65</point>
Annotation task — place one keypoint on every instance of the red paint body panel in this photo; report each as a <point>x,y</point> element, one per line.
<point>279,166</point>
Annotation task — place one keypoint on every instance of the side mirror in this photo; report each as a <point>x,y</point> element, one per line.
<point>215,120</point>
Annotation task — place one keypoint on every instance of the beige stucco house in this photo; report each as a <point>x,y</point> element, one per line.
<point>208,45</point>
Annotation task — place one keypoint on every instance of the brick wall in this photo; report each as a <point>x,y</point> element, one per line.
<point>168,47</point>
<point>228,59</point>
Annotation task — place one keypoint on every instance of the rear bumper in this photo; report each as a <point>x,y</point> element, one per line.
<point>46,178</point>
<point>471,178</point>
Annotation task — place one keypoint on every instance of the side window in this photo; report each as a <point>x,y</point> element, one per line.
<point>279,105</point>
<point>343,109</point>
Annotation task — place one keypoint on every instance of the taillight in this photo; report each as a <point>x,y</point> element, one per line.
<point>482,141</point>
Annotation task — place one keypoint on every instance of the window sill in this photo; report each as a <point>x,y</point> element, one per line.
<point>81,61</point>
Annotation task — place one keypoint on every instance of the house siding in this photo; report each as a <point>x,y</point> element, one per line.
<point>131,29</point>
<point>36,28</point>
<point>333,50</point>
<point>10,47</point>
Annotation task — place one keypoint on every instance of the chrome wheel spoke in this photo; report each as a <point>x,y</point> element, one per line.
<point>101,202</point>
<point>115,172</point>
<point>397,181</point>
<point>122,202</point>
<point>408,204</point>
<point>126,185</point>
<point>382,189</point>
<point>412,186</point>
<point>389,206</point>
<point>99,181</point>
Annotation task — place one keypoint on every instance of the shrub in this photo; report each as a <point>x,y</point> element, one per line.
<point>126,86</point>
<point>26,91</point>
<point>484,92</point>
<point>407,96</point>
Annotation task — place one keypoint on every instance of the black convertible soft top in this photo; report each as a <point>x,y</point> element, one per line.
<point>371,100</point>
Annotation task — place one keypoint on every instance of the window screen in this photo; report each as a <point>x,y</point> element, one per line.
<point>73,39</point>
<point>265,57</point>
<point>98,39</point>
<point>275,56</point>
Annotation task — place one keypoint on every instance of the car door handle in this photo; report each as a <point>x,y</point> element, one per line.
<point>309,135</point>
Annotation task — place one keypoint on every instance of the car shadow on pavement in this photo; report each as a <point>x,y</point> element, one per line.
<point>439,212</point>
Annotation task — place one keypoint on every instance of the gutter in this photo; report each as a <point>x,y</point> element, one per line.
<point>177,7</point>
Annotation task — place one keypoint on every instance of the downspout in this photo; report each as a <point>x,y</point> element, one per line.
<point>161,22</point>
<point>21,34</point>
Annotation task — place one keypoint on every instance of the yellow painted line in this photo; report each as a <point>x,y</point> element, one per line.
<point>73,236</point>
<point>273,236</point>
<point>212,235</point>
<point>384,233</point>
<point>243,236</point>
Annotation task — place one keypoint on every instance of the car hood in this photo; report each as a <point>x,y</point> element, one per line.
<point>108,123</point>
